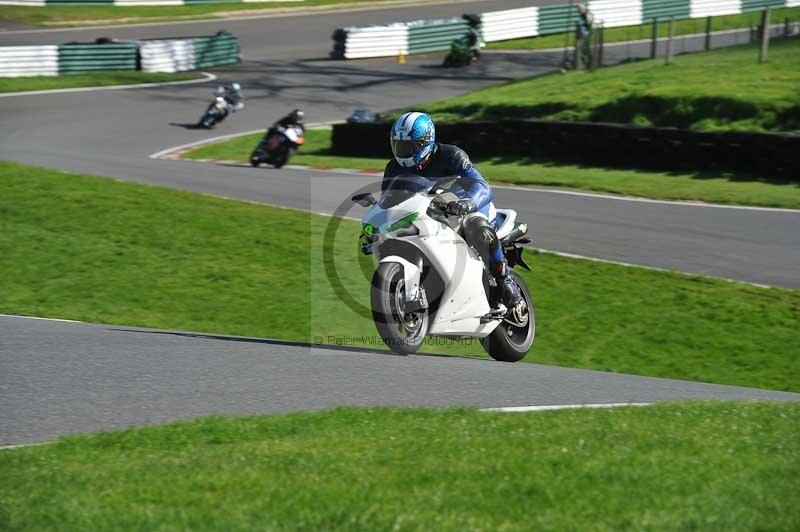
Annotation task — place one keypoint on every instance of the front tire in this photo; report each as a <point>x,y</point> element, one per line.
<point>509,342</point>
<point>402,332</point>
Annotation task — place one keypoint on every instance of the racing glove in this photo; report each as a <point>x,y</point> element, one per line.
<point>459,207</point>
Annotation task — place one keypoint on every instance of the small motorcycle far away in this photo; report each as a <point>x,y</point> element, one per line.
<point>227,99</point>
<point>281,141</point>
<point>467,48</point>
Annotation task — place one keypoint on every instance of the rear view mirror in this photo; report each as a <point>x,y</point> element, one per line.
<point>365,199</point>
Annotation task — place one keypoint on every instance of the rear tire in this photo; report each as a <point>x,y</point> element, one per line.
<point>509,343</point>
<point>402,333</point>
<point>284,158</point>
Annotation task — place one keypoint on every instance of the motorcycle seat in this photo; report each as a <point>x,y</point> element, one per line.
<point>504,222</point>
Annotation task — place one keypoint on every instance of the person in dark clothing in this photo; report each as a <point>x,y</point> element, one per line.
<point>295,118</point>
<point>413,141</point>
<point>233,95</point>
<point>584,30</point>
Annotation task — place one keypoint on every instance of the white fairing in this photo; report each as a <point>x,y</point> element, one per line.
<point>291,134</point>
<point>464,300</point>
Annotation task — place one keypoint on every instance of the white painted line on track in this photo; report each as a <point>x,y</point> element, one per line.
<point>594,195</point>
<point>163,153</point>
<point>37,318</point>
<point>647,200</point>
<point>206,78</point>
<point>542,408</point>
<point>23,445</point>
<point>653,268</point>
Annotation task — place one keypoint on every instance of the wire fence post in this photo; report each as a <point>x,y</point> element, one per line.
<point>654,42</point>
<point>762,58</point>
<point>669,40</point>
<point>708,33</point>
<point>786,30</point>
<point>602,45</point>
<point>578,50</point>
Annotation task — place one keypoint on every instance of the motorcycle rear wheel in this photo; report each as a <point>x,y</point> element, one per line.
<point>402,332</point>
<point>284,157</point>
<point>510,343</point>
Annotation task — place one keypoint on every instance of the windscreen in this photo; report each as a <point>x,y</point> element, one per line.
<point>402,187</point>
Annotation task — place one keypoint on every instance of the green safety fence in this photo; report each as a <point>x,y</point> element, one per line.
<point>665,9</point>
<point>431,36</point>
<point>74,58</point>
<point>750,5</point>
<point>221,49</point>
<point>80,2</point>
<point>557,19</point>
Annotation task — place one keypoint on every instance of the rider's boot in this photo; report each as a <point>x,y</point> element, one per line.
<point>511,295</point>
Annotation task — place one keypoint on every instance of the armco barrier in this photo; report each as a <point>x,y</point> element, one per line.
<point>178,55</point>
<point>173,55</point>
<point>510,24</point>
<point>18,61</point>
<point>370,41</point>
<point>664,9</point>
<point>428,36</point>
<point>75,58</point>
<point>221,49</point>
<point>434,35</point>
<point>762,154</point>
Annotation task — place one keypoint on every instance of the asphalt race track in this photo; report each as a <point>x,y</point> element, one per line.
<point>62,378</point>
<point>58,378</point>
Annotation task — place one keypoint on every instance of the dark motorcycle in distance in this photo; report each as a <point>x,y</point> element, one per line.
<point>278,145</point>
<point>217,112</point>
<point>461,54</point>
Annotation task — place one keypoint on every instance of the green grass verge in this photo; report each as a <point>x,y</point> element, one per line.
<point>714,187</point>
<point>98,250</point>
<point>645,31</point>
<point>73,16</point>
<point>724,89</point>
<point>683,466</point>
<point>93,79</point>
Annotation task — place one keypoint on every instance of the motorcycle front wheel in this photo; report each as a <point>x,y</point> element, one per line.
<point>402,332</point>
<point>512,339</point>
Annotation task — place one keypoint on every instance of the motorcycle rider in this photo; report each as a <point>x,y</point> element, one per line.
<point>413,142</point>
<point>232,94</point>
<point>472,37</point>
<point>295,118</point>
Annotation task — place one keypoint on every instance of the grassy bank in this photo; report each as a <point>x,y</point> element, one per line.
<point>644,31</point>
<point>73,16</point>
<point>713,187</point>
<point>91,79</point>
<point>97,250</point>
<point>725,89</point>
<point>690,466</point>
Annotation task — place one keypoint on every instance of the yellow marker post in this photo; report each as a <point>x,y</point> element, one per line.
<point>401,57</point>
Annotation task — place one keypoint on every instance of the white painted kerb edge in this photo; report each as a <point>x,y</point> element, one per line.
<point>541,408</point>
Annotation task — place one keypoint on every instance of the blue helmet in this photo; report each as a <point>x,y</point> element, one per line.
<point>413,138</point>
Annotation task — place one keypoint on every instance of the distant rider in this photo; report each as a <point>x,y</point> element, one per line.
<point>473,37</point>
<point>413,141</point>
<point>233,95</point>
<point>584,30</point>
<point>295,118</point>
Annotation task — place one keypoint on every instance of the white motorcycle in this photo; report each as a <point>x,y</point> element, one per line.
<point>429,282</point>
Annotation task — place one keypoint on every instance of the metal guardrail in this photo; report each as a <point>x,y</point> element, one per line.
<point>165,55</point>
<point>427,36</point>
<point>18,61</point>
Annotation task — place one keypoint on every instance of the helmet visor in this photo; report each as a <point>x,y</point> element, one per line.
<point>405,149</point>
